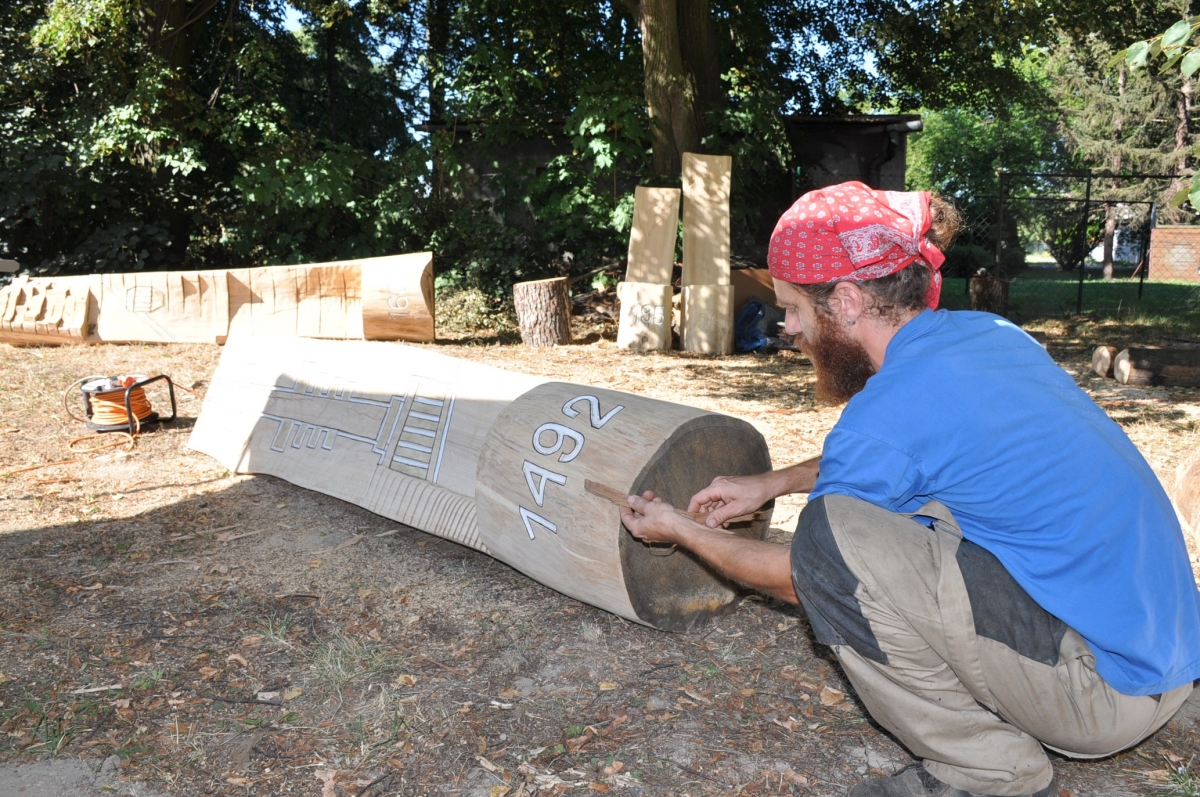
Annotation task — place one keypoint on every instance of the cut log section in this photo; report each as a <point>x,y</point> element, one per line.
<point>707,319</point>
<point>706,182</point>
<point>1173,367</point>
<point>645,322</point>
<point>989,294</point>
<point>397,298</point>
<point>543,312</point>
<point>1103,359</point>
<point>653,235</point>
<point>492,460</point>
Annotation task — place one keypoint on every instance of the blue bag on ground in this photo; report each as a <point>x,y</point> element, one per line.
<point>756,326</point>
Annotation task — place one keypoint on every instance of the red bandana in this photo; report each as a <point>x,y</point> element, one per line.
<point>852,232</point>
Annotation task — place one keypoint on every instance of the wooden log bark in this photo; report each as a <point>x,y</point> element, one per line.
<point>645,320</point>
<point>1102,360</point>
<point>1174,367</point>
<point>707,319</point>
<point>543,312</point>
<point>989,294</point>
<point>490,459</point>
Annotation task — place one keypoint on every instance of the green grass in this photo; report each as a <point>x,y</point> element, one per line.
<point>1045,293</point>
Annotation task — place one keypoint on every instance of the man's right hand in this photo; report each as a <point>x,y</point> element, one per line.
<point>728,497</point>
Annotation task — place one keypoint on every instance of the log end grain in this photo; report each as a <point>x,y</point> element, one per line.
<point>678,592</point>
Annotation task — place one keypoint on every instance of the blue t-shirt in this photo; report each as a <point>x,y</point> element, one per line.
<point>969,410</point>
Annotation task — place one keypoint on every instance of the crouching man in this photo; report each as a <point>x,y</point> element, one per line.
<point>994,563</point>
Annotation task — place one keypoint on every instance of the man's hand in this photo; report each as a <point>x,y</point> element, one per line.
<point>651,520</point>
<point>729,497</point>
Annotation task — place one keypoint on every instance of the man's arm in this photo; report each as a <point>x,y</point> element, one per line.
<point>729,496</point>
<point>762,566</point>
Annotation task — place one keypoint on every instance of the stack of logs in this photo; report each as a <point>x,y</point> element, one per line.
<point>1149,366</point>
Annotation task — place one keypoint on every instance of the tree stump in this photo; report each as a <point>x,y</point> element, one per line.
<point>1186,497</point>
<point>543,312</point>
<point>989,294</point>
<point>1102,360</point>
<point>1174,367</point>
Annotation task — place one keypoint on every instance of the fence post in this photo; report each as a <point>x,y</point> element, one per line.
<point>1083,239</point>
<point>1000,223</point>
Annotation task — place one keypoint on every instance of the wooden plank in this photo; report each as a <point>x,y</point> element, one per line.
<point>645,316</point>
<point>707,319</point>
<point>706,185</point>
<point>653,234</point>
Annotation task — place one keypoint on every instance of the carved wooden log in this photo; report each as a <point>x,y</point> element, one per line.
<point>490,459</point>
<point>1175,367</point>
<point>989,294</point>
<point>48,310</point>
<point>384,298</point>
<point>1102,360</point>
<point>645,316</point>
<point>543,312</point>
<point>707,319</point>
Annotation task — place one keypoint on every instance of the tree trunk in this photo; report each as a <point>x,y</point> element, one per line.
<point>1183,108</point>
<point>670,91</point>
<point>437,26</point>
<point>1174,367</point>
<point>543,312</point>
<point>701,58</point>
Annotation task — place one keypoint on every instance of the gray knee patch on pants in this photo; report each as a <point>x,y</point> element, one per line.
<point>827,587</point>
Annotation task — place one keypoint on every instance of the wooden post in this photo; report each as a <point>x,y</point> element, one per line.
<point>493,460</point>
<point>653,234</point>
<point>1174,367</point>
<point>543,312</point>
<point>707,319</point>
<point>645,322</point>
<point>1102,360</point>
<point>989,294</point>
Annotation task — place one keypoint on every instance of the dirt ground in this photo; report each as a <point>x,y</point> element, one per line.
<point>224,634</point>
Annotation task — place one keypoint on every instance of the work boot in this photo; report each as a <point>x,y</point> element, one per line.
<point>915,781</point>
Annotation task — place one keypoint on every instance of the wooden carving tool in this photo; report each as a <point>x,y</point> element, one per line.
<point>621,499</point>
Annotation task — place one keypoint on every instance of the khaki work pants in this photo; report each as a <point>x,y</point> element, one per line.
<point>975,694</point>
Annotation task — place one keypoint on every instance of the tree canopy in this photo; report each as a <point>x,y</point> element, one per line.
<point>505,136</point>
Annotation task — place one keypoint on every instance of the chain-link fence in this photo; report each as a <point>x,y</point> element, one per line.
<point>1052,245</point>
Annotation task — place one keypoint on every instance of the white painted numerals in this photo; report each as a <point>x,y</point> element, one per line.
<point>595,418</point>
<point>549,439</point>
<point>648,314</point>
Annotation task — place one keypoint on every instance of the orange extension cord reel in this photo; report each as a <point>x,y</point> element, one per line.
<point>119,403</point>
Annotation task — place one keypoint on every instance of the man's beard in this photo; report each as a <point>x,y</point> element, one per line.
<point>843,365</point>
